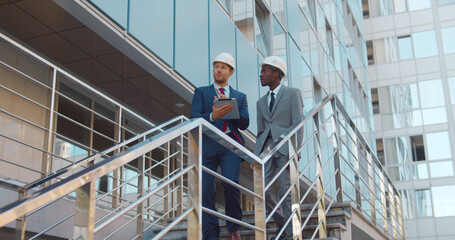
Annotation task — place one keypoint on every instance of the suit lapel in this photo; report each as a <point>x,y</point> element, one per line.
<point>264,105</point>
<point>212,91</point>
<point>278,97</point>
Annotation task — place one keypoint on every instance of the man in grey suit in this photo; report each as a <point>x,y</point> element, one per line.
<point>278,112</point>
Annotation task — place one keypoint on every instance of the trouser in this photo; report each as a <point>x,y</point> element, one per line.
<point>230,167</point>
<point>275,164</point>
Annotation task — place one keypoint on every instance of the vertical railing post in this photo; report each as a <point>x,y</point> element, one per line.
<point>195,183</point>
<point>140,192</point>
<point>115,173</point>
<point>20,222</point>
<point>294,144</point>
<point>166,171</point>
<point>336,157</point>
<point>400,216</point>
<point>392,210</point>
<point>179,181</point>
<point>320,183</point>
<point>46,164</point>
<point>383,205</point>
<point>84,218</point>
<point>358,193</point>
<point>259,203</point>
<point>371,186</point>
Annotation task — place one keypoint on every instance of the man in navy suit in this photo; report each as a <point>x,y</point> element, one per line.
<point>213,154</point>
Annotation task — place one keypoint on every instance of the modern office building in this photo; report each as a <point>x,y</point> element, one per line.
<point>411,55</point>
<point>78,77</point>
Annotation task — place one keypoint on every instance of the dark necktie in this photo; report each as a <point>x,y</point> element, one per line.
<point>224,122</point>
<point>272,101</point>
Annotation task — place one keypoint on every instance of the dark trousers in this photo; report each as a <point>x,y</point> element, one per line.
<point>230,167</point>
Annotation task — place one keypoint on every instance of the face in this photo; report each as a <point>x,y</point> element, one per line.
<point>269,77</point>
<point>221,73</point>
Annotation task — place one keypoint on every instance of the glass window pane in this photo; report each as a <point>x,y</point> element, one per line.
<point>443,199</point>
<point>385,50</point>
<point>405,47</point>
<point>279,8</point>
<point>448,39</point>
<point>451,81</point>
<point>407,204</point>
<point>396,150</point>
<point>423,203</point>
<point>226,5</point>
<point>243,18</point>
<point>438,145</point>
<point>381,7</point>
<point>444,2</point>
<point>425,43</point>
<point>399,173</point>
<point>434,116</point>
<point>420,171</point>
<point>400,6</point>
<point>263,34</point>
<point>417,148</point>
<point>418,4</point>
<point>431,93</point>
<point>441,169</point>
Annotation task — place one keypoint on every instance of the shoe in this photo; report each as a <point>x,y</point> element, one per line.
<point>234,235</point>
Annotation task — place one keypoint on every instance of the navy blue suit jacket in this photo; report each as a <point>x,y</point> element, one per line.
<point>202,107</point>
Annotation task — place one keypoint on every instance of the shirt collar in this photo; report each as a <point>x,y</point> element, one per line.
<point>276,90</point>
<point>226,88</point>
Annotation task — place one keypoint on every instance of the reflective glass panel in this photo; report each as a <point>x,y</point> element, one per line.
<point>405,47</point>
<point>417,148</point>
<point>400,6</point>
<point>396,150</point>
<point>418,4</point>
<point>451,81</point>
<point>399,173</point>
<point>420,171</point>
<point>385,50</point>
<point>263,34</point>
<point>441,169</point>
<point>381,7</point>
<point>226,5</point>
<point>425,43</point>
<point>438,145</point>
<point>444,2</point>
<point>279,8</point>
<point>407,204</point>
<point>431,93</point>
<point>434,116</point>
<point>448,39</point>
<point>423,203</point>
<point>243,18</point>
<point>443,201</point>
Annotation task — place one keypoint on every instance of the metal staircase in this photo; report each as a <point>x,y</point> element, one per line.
<point>336,180</point>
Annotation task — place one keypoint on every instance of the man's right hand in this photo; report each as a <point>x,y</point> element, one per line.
<point>219,112</point>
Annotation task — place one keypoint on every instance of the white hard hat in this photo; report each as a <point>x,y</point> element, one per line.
<point>225,58</point>
<point>276,62</point>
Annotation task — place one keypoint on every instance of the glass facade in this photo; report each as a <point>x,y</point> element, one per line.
<point>411,66</point>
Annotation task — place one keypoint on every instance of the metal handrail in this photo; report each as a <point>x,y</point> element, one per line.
<point>101,168</point>
<point>118,146</point>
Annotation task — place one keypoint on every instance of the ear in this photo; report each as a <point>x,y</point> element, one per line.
<point>276,73</point>
<point>231,72</point>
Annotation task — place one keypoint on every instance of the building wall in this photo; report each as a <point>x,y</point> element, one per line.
<point>321,41</point>
<point>412,73</point>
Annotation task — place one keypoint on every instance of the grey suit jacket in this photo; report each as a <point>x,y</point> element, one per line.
<point>286,114</point>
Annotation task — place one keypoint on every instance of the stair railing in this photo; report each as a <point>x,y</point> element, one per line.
<point>330,157</point>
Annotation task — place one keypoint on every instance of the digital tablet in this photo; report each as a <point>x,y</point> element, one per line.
<point>234,113</point>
